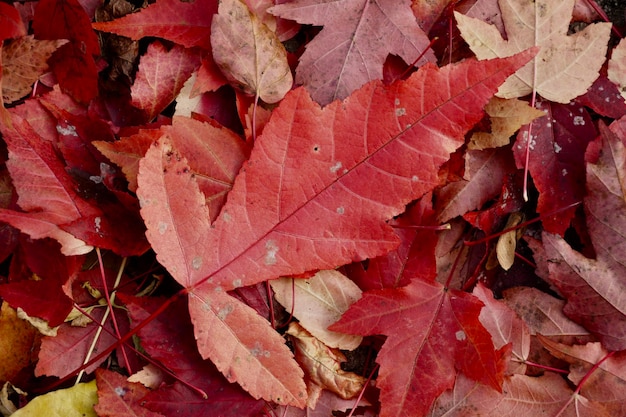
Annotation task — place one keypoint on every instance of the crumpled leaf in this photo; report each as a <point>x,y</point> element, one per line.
<point>565,66</point>
<point>482,180</point>
<point>23,61</point>
<point>322,366</point>
<point>318,302</point>
<point>336,63</point>
<point>506,117</point>
<point>77,401</point>
<point>277,212</point>
<point>434,329</point>
<point>249,53</point>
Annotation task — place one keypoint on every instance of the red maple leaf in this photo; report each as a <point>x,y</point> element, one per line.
<point>302,202</point>
<point>433,328</point>
<point>556,162</point>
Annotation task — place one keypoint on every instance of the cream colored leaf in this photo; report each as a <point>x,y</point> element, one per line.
<point>506,116</point>
<point>318,302</point>
<point>249,53</point>
<point>617,67</point>
<point>322,366</point>
<point>24,60</point>
<point>505,248</point>
<point>77,401</point>
<point>565,66</point>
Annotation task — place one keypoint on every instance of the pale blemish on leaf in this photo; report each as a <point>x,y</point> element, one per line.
<point>258,351</point>
<point>225,311</point>
<point>401,111</point>
<point>271,250</point>
<point>237,283</point>
<point>162,228</point>
<point>336,167</point>
<point>460,335</point>
<point>196,263</point>
<point>67,131</point>
<point>340,210</point>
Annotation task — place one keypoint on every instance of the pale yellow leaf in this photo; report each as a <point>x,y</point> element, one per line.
<point>565,66</point>
<point>249,53</point>
<point>318,302</point>
<point>77,401</point>
<point>617,67</point>
<point>506,116</point>
<point>505,248</point>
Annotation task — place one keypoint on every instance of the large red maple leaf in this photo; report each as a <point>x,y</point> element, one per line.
<point>316,193</point>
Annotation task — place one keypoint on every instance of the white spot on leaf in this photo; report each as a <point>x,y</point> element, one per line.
<point>162,228</point>
<point>557,148</point>
<point>336,167</point>
<point>401,111</point>
<point>579,121</point>
<point>196,263</point>
<point>97,222</point>
<point>271,249</point>
<point>340,210</point>
<point>225,311</point>
<point>460,335</point>
<point>69,130</point>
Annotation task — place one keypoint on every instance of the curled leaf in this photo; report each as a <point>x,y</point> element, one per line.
<point>323,365</point>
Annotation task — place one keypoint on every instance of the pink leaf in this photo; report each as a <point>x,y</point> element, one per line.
<point>185,23</point>
<point>161,76</point>
<point>352,27</point>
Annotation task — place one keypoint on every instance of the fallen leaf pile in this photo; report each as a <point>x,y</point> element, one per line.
<point>312,208</point>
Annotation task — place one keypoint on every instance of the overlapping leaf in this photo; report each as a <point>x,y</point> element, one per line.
<point>437,330</point>
<point>564,68</point>
<point>185,23</point>
<point>301,202</point>
<point>249,53</point>
<point>356,39</point>
<point>594,288</point>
